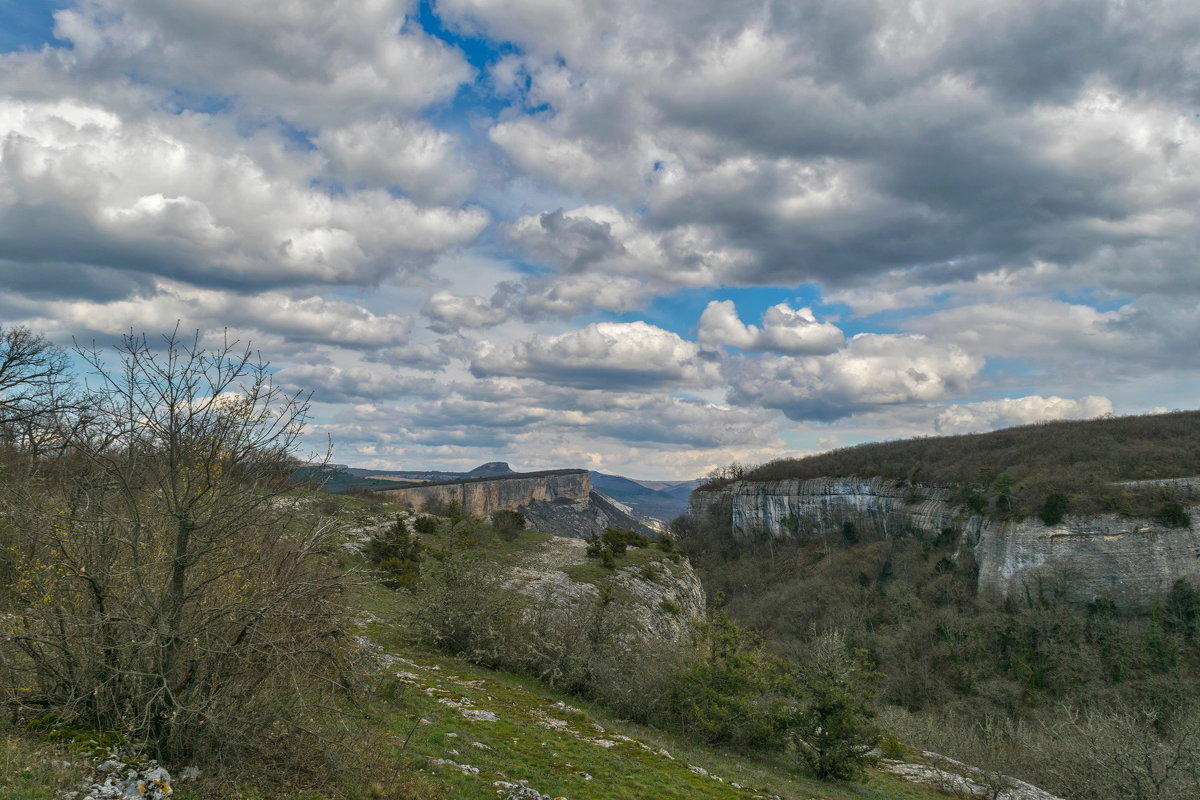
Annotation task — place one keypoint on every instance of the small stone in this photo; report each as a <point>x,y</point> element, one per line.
<point>478,715</point>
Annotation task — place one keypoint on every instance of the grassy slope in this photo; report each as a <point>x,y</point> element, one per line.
<point>549,740</point>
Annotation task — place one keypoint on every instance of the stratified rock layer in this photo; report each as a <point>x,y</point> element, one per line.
<point>1133,559</point>
<point>480,497</point>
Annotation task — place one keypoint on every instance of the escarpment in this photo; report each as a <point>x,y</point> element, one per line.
<point>1130,558</point>
<point>561,502</point>
<point>481,496</point>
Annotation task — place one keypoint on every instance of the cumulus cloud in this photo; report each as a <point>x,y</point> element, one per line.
<point>1027,326</point>
<point>450,313</point>
<point>991,414</point>
<point>187,197</point>
<point>603,239</point>
<point>871,371</point>
<point>411,155</point>
<point>315,176</point>
<point>296,319</point>
<point>330,383</point>
<point>604,354</point>
<point>563,297</point>
<point>784,330</point>
<point>314,64</point>
<point>838,141</point>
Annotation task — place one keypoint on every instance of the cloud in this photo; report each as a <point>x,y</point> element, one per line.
<point>312,320</point>
<point>316,65</point>
<point>836,142</point>
<point>871,371</point>
<point>352,384</point>
<point>543,297</point>
<point>1047,329</point>
<point>603,239</point>
<point>186,197</point>
<point>784,330</point>
<point>449,313</point>
<point>410,155</point>
<point>603,355</point>
<point>992,414</point>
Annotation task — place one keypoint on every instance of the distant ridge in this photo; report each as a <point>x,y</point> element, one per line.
<point>492,468</point>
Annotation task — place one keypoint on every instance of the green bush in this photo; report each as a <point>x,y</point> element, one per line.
<point>397,554</point>
<point>615,541</point>
<point>735,692</point>
<point>425,524</point>
<point>508,523</point>
<point>1173,515</point>
<point>1054,509</point>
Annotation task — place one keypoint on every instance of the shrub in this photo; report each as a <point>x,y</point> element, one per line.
<point>1173,515</point>
<point>397,554</point>
<point>615,541</point>
<point>1054,509</point>
<point>425,524</point>
<point>508,523</point>
<point>619,539</point>
<point>734,692</point>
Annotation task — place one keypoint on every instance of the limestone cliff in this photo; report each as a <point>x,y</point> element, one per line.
<point>1129,558</point>
<point>479,497</point>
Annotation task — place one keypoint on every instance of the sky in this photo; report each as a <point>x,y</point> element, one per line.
<point>644,238</point>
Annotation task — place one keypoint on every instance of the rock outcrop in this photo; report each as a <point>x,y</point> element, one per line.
<point>481,496</point>
<point>560,502</point>
<point>580,520</point>
<point>661,601</point>
<point>1127,558</point>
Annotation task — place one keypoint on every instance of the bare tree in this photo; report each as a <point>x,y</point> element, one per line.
<point>1127,751</point>
<point>35,383</point>
<point>162,591</point>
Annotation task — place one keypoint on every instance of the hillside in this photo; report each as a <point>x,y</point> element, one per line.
<point>1079,459</point>
<point>439,726</point>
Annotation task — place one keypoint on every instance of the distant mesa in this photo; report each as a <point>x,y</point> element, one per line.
<point>492,468</point>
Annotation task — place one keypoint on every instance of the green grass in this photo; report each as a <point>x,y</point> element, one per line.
<point>594,572</point>
<point>549,740</point>
<point>538,740</point>
<point>30,770</point>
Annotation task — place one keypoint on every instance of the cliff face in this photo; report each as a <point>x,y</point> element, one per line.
<point>1128,558</point>
<point>808,507</point>
<point>1102,555</point>
<point>481,497</point>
